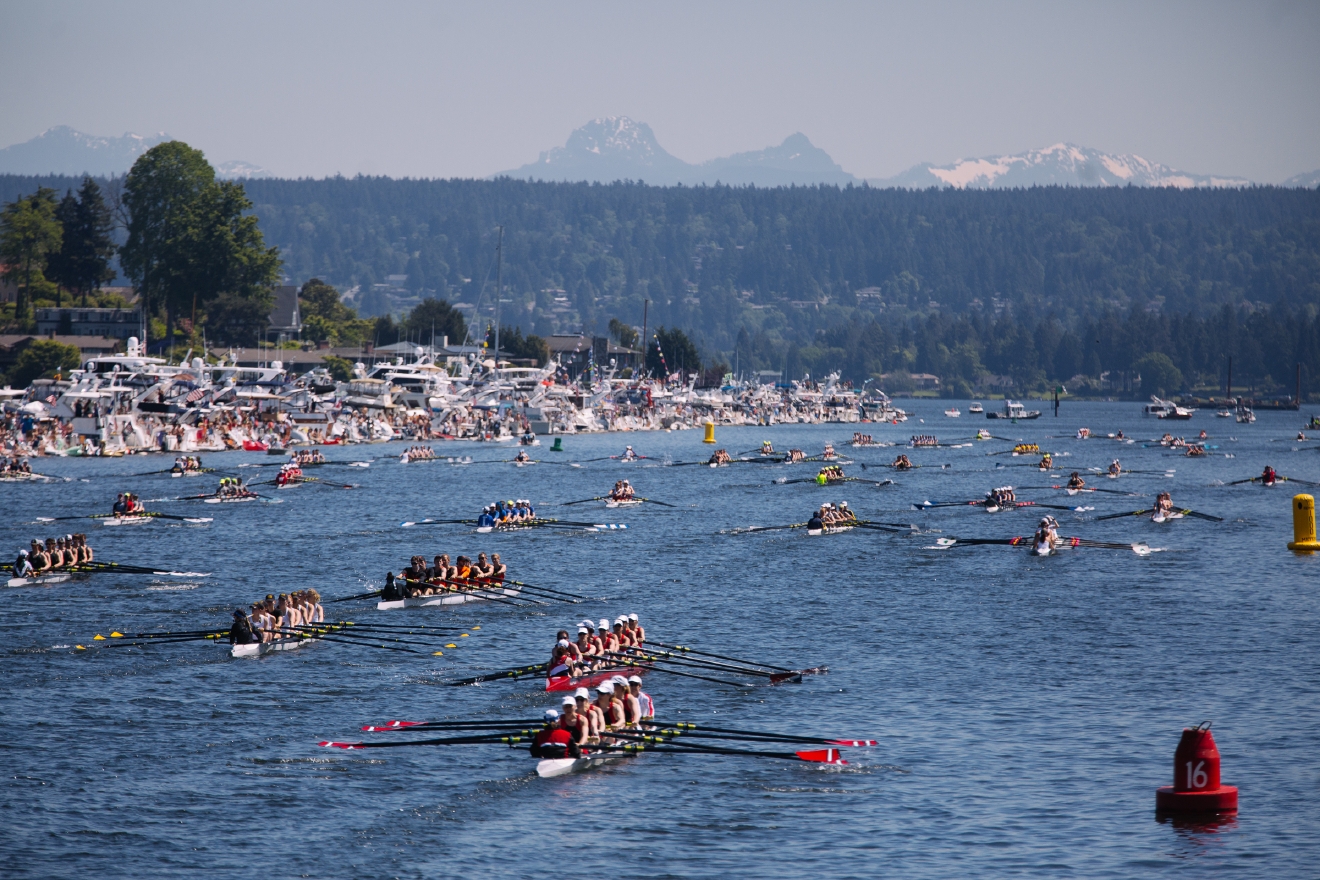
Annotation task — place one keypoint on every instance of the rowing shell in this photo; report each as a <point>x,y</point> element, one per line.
<point>446,599</point>
<point>261,649</point>
<point>1165,517</point>
<point>229,500</point>
<point>627,502</point>
<point>563,683</point>
<point>55,577</point>
<point>551,767</point>
<point>126,520</point>
<point>830,530</point>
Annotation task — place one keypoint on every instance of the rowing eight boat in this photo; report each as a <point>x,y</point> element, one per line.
<point>453,598</point>
<point>261,649</point>
<point>565,683</point>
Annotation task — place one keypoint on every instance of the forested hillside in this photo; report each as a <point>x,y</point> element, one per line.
<point>1042,283</point>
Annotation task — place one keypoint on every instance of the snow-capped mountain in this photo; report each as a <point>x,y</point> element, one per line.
<point>64,150</point>
<point>1059,165</point>
<point>619,148</point>
<point>1309,180</point>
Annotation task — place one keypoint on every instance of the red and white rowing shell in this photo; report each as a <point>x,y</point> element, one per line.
<point>565,683</point>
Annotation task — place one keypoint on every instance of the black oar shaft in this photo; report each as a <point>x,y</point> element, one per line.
<point>687,650</point>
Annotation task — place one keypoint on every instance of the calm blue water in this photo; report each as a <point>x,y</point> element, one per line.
<point>1027,709</point>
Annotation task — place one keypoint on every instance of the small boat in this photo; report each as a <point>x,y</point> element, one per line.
<point>254,446</point>
<point>455,598</point>
<point>1245,416</point>
<point>1014,410</point>
<point>230,499</point>
<point>628,502</point>
<point>830,530</point>
<point>551,767</point>
<point>1224,414</point>
<point>261,649</point>
<point>976,408</point>
<point>952,412</point>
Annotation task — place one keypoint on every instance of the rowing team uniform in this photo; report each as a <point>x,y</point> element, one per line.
<point>588,719</point>
<point>1000,497</point>
<point>1115,468</point>
<point>722,456</point>
<point>830,515</point>
<point>628,455</point>
<point>127,504</point>
<point>273,618</point>
<point>767,448</point>
<point>308,456</point>
<point>442,577</point>
<point>1046,461</point>
<point>1076,481</point>
<point>15,466</point>
<point>186,464</point>
<point>623,491</point>
<point>830,474</point>
<point>288,474</point>
<point>861,439</point>
<point>57,553</point>
<point>522,456</point>
<point>1269,476</point>
<point>232,487</point>
<point>594,650</point>
<point>902,463</point>
<point>506,513</point>
<point>1163,505</point>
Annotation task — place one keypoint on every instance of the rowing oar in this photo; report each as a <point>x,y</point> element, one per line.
<point>1085,489</point>
<point>1276,479</point>
<point>371,595</point>
<point>551,590</point>
<point>343,641</point>
<point>152,514</point>
<point>909,468</point>
<point>456,740</point>
<point>686,650</point>
<point>587,500</point>
<point>325,483</point>
<point>182,634</point>
<point>516,672</point>
<point>403,628</point>
<point>432,522</point>
<point>771,528</point>
<point>1168,472</point>
<point>564,523</point>
<point>132,569</point>
<point>669,657</point>
<point>394,725</point>
<point>318,630</point>
<point>1149,512</point>
<point>819,756</point>
<point>691,729</point>
<point>633,663</point>
<point>478,585</point>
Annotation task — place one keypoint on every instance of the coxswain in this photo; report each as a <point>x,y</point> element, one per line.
<point>178,467</point>
<point>487,517</point>
<point>390,592</point>
<point>1119,436</point>
<point>1076,482</point>
<point>1268,477</point>
<point>522,456</point>
<point>23,565</point>
<point>1115,468</point>
<point>902,463</point>
<point>240,631</point>
<point>553,741</point>
<point>817,521</point>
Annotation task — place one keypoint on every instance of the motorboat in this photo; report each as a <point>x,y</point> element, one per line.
<point>1014,410</point>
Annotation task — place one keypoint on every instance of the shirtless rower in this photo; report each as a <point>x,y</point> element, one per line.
<point>720,456</point>
<point>1076,482</point>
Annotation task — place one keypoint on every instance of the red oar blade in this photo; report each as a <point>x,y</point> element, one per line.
<point>853,743</point>
<point>338,745</point>
<point>392,725</point>
<point>822,756</point>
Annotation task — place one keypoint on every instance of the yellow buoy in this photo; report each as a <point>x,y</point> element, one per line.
<point>710,433</point>
<point>1304,525</point>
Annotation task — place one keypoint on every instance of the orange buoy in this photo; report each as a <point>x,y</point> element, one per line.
<point>1196,786</point>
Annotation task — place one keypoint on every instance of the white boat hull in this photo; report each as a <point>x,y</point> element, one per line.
<point>261,649</point>
<point>552,767</point>
<point>447,599</point>
<point>126,520</point>
<point>614,504</point>
<point>58,577</point>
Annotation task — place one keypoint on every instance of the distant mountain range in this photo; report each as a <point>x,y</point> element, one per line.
<point>1309,180</point>
<point>619,148</point>
<point>64,150</point>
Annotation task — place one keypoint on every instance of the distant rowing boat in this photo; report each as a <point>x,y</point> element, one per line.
<point>449,598</point>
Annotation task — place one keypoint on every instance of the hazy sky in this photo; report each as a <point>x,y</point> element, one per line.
<point>432,90</point>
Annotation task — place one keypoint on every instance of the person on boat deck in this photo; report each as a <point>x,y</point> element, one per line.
<point>903,463</point>
<point>500,568</point>
<point>1268,476</point>
<point>390,592</point>
<point>1045,539</point>
<point>578,727</point>
<point>552,741</point>
<point>817,520</point>
<point>590,711</point>
<point>23,565</point>
<point>1075,481</point>
<point>240,631</point>
<point>40,559</point>
<point>1047,461</point>
<point>120,506</point>
<point>1115,468</point>
<point>487,519</point>
<point>644,702</point>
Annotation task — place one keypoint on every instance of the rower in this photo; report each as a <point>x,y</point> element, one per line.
<point>767,448</point>
<point>482,569</point>
<point>621,635</point>
<point>829,452</point>
<point>1269,476</point>
<point>577,726</point>
<point>1203,435</point>
<point>1046,461</point>
<point>1300,435</point>
<point>604,703</point>
<point>845,514</point>
<point>552,741</point>
<point>902,463</point>
<point>1115,468</point>
<point>628,454</point>
<point>500,568</point>
<point>1119,436</point>
<point>120,506</point>
<point>560,659</point>
<point>639,634</point>
<point>1163,504</point>
<point>590,711</point>
<point>585,646</point>
<point>644,702</point>
<point>1044,540</point>
<point>23,565</point>
<point>240,631</point>
<point>632,707</point>
<point>1075,481</point>
<point>522,456</point>
<point>39,558</point>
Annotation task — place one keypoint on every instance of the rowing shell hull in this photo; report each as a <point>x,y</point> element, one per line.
<point>558,683</point>
<point>261,649</point>
<point>229,500</point>
<point>552,767</point>
<point>126,520</point>
<point>614,504</point>
<point>834,530</point>
<point>447,599</point>
<point>55,578</point>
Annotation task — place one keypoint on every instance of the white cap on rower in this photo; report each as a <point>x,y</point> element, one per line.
<point>632,616</point>
<point>563,643</point>
<point>582,631</point>
<point>604,624</point>
<point>843,503</point>
<point>634,679</point>
<point>551,714</point>
<point>582,694</point>
<point>568,701</point>
<point>605,688</point>
<point>618,681</point>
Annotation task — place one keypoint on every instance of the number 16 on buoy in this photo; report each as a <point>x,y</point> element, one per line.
<point>1196,788</point>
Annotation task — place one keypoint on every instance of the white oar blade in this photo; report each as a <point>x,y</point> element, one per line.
<point>1141,549</point>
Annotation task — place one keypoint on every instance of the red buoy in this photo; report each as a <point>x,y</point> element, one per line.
<point>1196,787</point>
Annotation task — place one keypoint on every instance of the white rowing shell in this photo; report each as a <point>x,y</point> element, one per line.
<point>1163,518</point>
<point>830,530</point>
<point>446,599</point>
<point>629,503</point>
<point>126,520</point>
<point>55,578</point>
<point>229,500</point>
<point>551,767</point>
<point>260,649</point>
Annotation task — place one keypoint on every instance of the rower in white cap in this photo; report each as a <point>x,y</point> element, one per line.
<point>643,699</point>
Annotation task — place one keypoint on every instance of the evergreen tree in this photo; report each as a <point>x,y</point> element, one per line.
<point>83,261</point>
<point>29,233</point>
